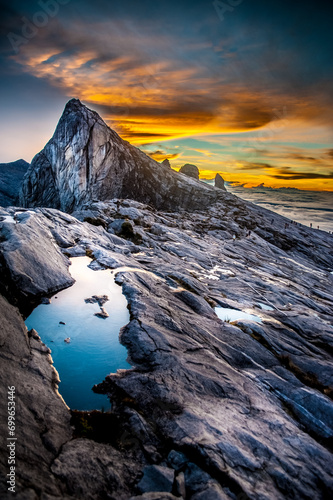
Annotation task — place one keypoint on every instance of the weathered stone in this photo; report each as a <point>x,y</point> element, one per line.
<point>180,488</point>
<point>190,171</point>
<point>219,182</point>
<point>248,406</point>
<point>155,496</point>
<point>98,299</point>
<point>156,478</point>
<point>166,163</point>
<point>89,470</point>
<point>214,492</point>
<point>195,478</point>
<point>177,460</point>
<point>102,314</point>
<point>31,265</point>
<point>42,421</point>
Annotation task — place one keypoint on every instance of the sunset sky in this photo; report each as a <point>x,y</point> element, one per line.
<point>243,88</point>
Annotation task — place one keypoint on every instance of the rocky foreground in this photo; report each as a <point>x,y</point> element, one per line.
<point>211,410</point>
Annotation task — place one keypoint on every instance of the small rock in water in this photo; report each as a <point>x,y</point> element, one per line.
<point>102,314</point>
<point>99,299</point>
<point>45,300</point>
<point>62,323</point>
<point>68,340</point>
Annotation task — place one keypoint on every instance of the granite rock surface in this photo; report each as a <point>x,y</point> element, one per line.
<point>85,160</point>
<point>225,409</point>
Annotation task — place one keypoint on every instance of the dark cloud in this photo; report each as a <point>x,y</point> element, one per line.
<point>160,155</point>
<point>289,175</point>
<point>143,134</point>
<point>255,166</point>
<point>303,158</point>
<point>299,157</point>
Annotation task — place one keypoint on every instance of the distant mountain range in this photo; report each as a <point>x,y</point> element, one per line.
<point>11,177</point>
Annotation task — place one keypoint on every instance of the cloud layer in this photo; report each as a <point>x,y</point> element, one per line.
<point>254,90</point>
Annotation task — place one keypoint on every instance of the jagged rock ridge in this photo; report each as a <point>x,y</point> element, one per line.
<point>85,160</point>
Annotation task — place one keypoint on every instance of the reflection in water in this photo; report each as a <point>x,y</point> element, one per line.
<point>7,218</point>
<point>94,349</point>
<point>265,306</point>
<point>226,314</point>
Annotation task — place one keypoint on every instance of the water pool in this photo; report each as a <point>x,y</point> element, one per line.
<point>94,349</point>
<point>226,314</point>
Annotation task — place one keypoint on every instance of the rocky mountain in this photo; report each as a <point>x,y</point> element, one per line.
<point>214,407</point>
<point>11,176</point>
<point>190,170</point>
<point>85,160</point>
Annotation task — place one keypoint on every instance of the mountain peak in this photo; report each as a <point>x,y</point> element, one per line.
<point>76,106</point>
<point>86,160</point>
<point>74,102</point>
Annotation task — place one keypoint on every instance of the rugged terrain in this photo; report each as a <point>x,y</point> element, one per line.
<point>211,409</point>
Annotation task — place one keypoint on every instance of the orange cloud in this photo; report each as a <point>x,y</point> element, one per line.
<point>148,100</point>
<point>159,155</point>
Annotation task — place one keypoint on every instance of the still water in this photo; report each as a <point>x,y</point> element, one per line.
<point>94,349</point>
<point>226,314</point>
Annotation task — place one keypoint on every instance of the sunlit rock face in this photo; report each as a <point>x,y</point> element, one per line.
<point>85,160</point>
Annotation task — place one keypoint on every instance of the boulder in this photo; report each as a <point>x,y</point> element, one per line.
<point>31,265</point>
<point>166,163</point>
<point>190,171</point>
<point>156,478</point>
